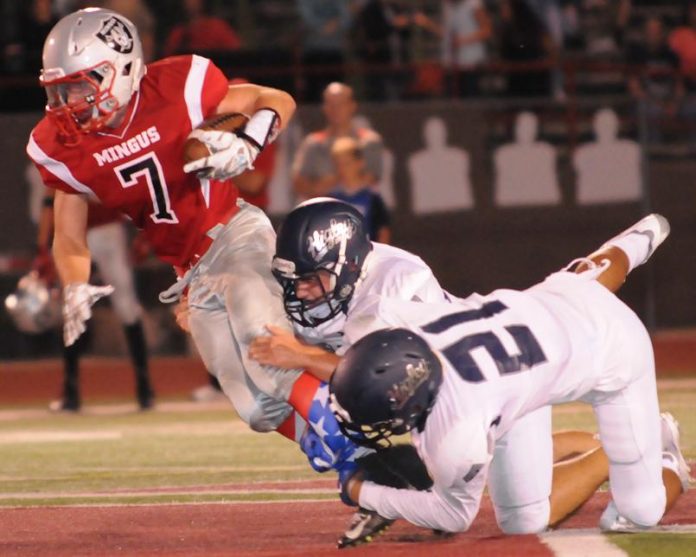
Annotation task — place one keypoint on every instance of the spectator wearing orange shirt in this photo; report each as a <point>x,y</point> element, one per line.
<point>683,42</point>
<point>202,31</point>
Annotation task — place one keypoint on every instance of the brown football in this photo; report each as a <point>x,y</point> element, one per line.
<point>229,122</point>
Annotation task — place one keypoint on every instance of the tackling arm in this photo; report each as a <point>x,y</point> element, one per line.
<point>449,510</point>
<point>282,349</point>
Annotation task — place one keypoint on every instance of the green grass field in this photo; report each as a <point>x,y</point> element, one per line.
<point>46,458</point>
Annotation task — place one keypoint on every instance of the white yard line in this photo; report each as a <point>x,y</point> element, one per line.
<point>8,414</point>
<point>22,437</point>
<point>580,543</point>
<point>169,504</point>
<point>591,542</point>
<point>152,493</point>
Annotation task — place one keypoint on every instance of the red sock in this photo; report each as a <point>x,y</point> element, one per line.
<point>303,392</point>
<point>293,427</point>
<point>301,397</point>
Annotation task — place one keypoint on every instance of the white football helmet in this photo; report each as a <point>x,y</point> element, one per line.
<point>92,66</point>
<point>34,307</point>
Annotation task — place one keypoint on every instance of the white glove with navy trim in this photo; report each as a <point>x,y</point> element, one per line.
<point>78,299</point>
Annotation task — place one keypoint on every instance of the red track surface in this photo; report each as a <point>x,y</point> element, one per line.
<point>288,530</point>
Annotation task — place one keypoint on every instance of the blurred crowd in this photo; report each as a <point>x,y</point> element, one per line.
<point>396,49</point>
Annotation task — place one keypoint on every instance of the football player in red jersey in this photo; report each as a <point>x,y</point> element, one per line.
<point>114,130</point>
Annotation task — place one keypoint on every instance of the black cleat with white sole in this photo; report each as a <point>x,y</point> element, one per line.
<point>364,527</point>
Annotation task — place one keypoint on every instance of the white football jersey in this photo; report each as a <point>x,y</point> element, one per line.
<point>504,355</point>
<point>390,272</point>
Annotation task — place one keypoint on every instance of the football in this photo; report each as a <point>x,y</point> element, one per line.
<point>195,149</point>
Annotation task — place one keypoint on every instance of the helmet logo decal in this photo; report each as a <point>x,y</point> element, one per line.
<point>116,35</point>
<point>416,375</point>
<point>321,241</point>
<point>284,266</point>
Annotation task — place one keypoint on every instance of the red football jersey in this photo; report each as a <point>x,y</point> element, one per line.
<point>137,167</point>
<point>98,215</point>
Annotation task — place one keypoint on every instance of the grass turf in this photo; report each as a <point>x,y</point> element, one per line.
<point>45,456</point>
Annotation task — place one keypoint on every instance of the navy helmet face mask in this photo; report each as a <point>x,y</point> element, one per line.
<point>385,385</point>
<point>305,312</point>
<point>326,237</point>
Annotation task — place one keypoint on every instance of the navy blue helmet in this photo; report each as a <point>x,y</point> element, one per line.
<point>322,234</point>
<point>385,385</point>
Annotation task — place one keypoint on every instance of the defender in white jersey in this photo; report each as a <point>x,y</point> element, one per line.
<point>328,268</point>
<point>323,245</point>
<point>459,376</point>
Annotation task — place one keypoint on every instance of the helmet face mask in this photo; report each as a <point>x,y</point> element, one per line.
<point>322,242</point>
<point>92,66</point>
<point>82,102</point>
<point>311,311</point>
<point>375,435</point>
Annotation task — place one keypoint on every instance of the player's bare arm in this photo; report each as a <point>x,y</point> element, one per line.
<point>282,349</point>
<point>248,98</point>
<point>250,182</point>
<point>72,259</point>
<point>70,249</point>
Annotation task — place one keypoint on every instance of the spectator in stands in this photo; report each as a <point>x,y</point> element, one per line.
<point>36,19</point>
<point>355,187</point>
<point>325,26</point>
<point>654,80</point>
<point>523,39</point>
<point>596,27</point>
<point>381,33</point>
<point>201,31</point>
<point>314,173</point>
<point>464,31</point>
<point>682,41</point>
<point>106,237</point>
<point>551,14</point>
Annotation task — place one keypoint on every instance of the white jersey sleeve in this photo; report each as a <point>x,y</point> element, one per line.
<point>392,274</point>
<point>458,467</point>
<point>367,317</point>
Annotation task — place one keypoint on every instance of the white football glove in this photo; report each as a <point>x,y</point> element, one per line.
<point>78,299</point>
<point>231,155</point>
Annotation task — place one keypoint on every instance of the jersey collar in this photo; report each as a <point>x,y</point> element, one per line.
<point>122,129</point>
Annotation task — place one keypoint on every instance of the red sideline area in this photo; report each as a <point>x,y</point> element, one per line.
<point>245,530</point>
<point>39,381</point>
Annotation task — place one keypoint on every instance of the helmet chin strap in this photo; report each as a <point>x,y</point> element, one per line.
<point>117,117</point>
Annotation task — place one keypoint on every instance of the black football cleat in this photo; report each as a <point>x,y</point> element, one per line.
<point>364,527</point>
